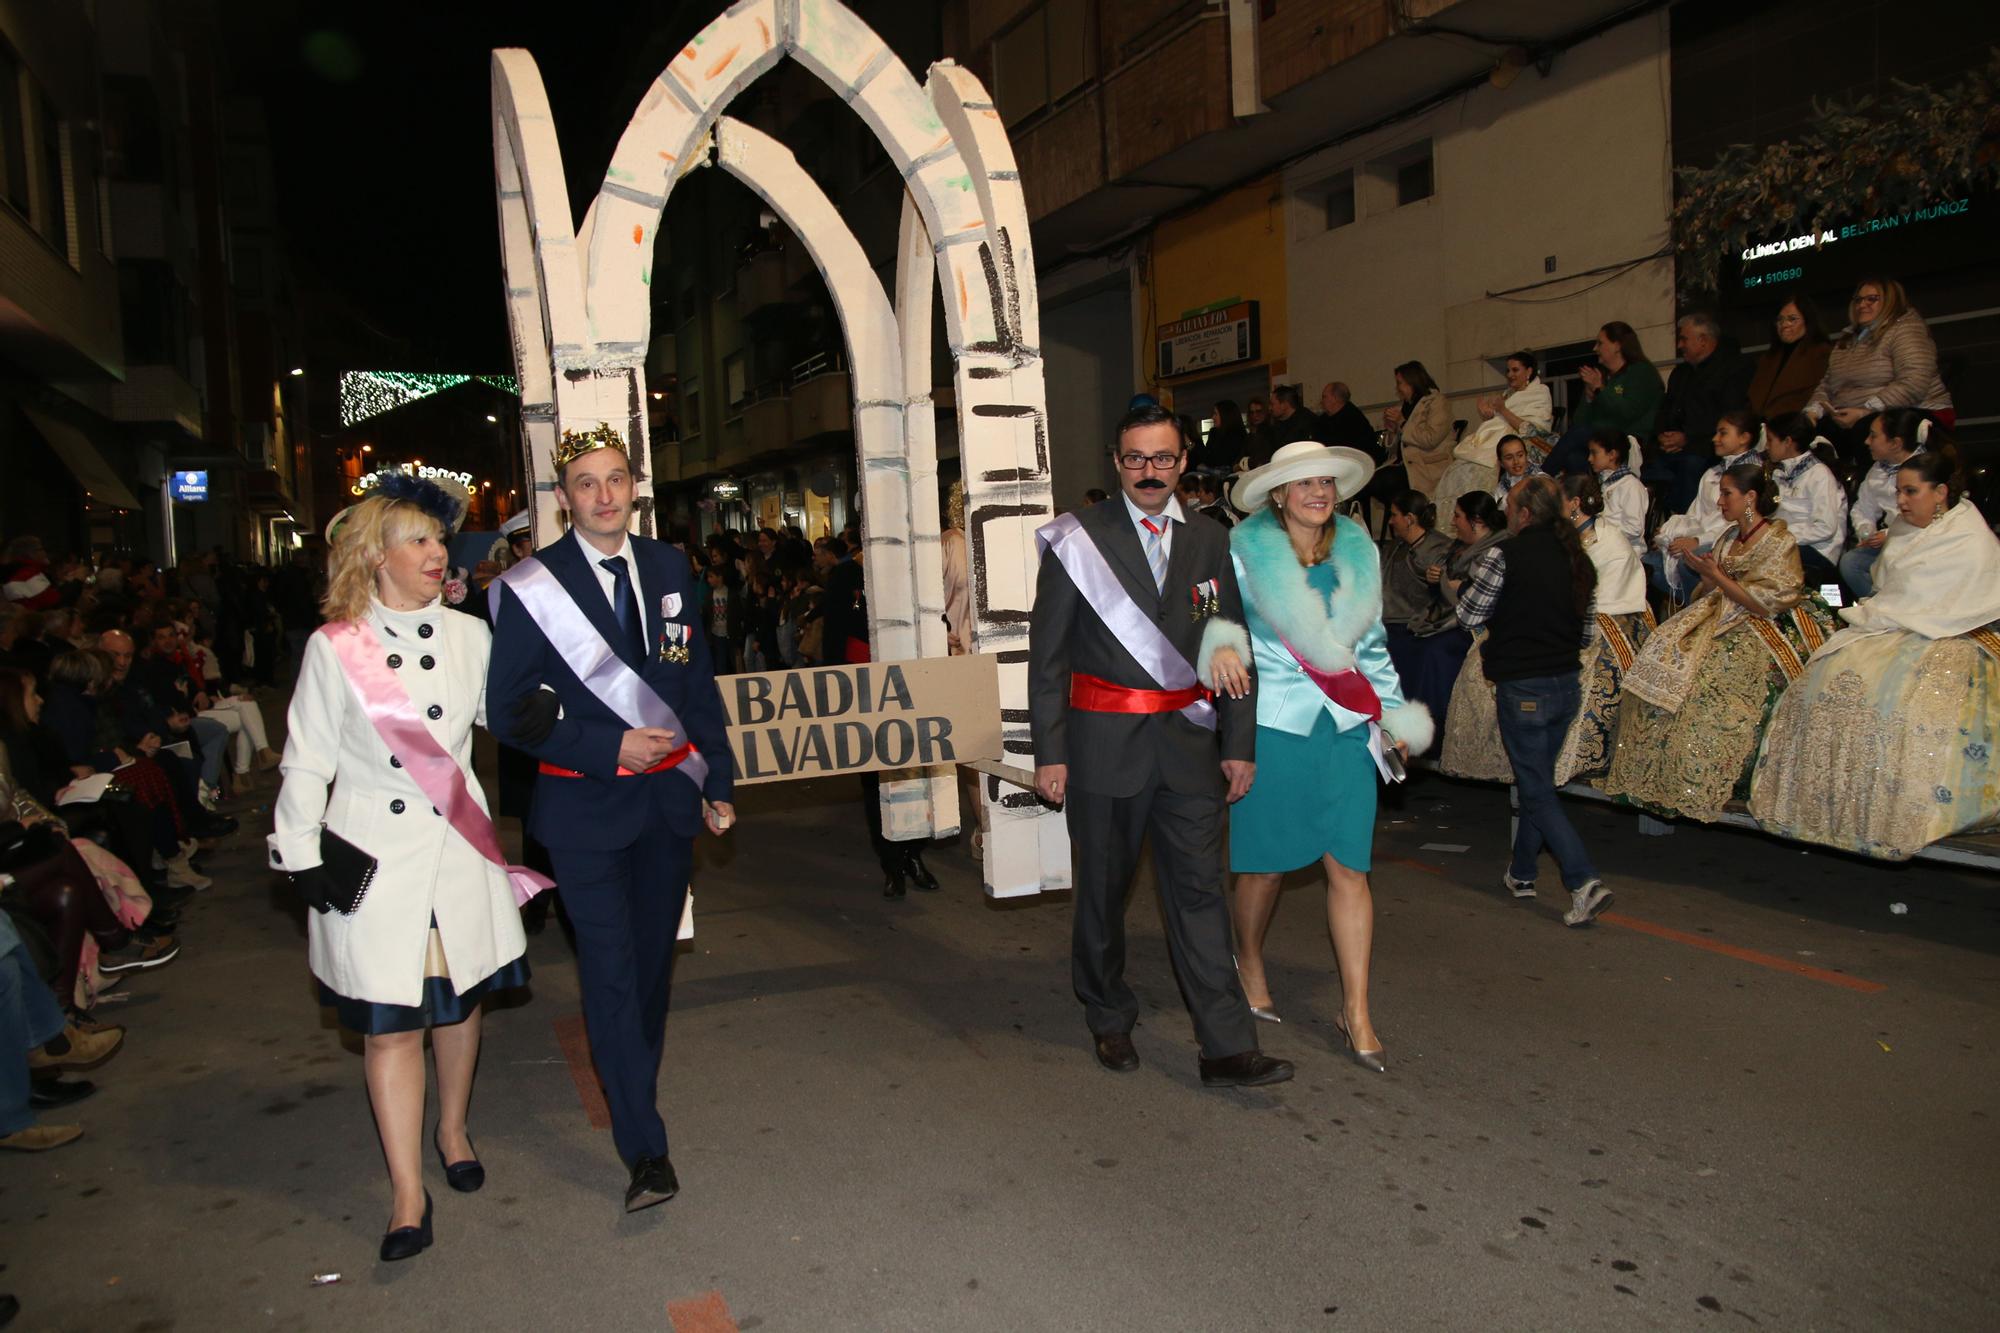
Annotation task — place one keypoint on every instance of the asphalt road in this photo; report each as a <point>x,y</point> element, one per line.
<point>1752,1094</point>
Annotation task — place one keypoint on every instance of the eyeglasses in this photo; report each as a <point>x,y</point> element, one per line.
<point>1868,298</point>
<point>1140,462</point>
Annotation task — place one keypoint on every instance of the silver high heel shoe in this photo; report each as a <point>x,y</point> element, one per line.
<point>1369,1060</point>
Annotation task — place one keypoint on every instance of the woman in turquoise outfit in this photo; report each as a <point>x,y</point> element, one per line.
<point>1328,702</point>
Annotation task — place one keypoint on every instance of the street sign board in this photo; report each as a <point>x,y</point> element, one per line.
<point>190,487</point>
<point>1209,340</point>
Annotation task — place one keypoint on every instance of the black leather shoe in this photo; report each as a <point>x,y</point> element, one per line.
<point>921,878</point>
<point>1251,1069</point>
<point>895,882</point>
<point>1116,1053</point>
<point>409,1242</point>
<point>653,1181</point>
<point>47,1094</point>
<point>215,826</point>
<point>466,1177</point>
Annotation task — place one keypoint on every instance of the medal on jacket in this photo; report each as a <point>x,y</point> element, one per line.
<point>674,642</point>
<point>1207,599</point>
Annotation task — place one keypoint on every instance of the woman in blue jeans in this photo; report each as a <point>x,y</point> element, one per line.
<point>1535,593</point>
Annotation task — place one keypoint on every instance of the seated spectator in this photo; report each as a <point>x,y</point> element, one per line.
<point>34,1040</point>
<point>1435,645</point>
<point>213,698</point>
<point>1893,436</point>
<point>1884,358</point>
<point>1515,464</point>
<point>25,577</point>
<point>1811,499</point>
<point>1342,423</point>
<point>1712,378</point>
<point>1699,691</point>
<point>154,704</point>
<point>1886,743</point>
<point>1415,547</point>
<point>1210,502</point>
<point>1418,428</point>
<point>1290,421</point>
<point>1227,448</point>
<point>1257,423</point>
<point>1793,365</point>
<point>1695,529</point>
<point>1625,496</point>
<point>1621,623</point>
<point>1621,392</point>
<point>1526,406</point>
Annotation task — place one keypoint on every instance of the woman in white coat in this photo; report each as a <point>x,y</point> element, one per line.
<point>1527,408</point>
<point>438,927</point>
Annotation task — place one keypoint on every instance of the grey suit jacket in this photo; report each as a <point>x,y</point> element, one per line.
<point>1118,754</point>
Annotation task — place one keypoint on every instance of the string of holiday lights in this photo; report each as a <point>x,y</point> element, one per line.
<point>370,393</point>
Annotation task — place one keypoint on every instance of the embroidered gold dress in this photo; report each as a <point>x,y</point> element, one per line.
<point>1699,692</point>
<point>1886,744</point>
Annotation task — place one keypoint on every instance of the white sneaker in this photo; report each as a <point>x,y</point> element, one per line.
<point>209,798</point>
<point>1520,888</point>
<point>1585,903</point>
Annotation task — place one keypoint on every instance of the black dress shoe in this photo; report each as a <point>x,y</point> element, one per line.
<point>653,1181</point>
<point>466,1177</point>
<point>921,878</point>
<point>1251,1069</point>
<point>895,881</point>
<point>214,826</point>
<point>1116,1053</point>
<point>409,1242</point>
<point>47,1094</point>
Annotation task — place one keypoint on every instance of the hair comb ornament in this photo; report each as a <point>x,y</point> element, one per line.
<point>575,444</point>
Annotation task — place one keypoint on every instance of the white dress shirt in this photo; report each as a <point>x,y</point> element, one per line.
<point>1172,511</point>
<point>1875,498</point>
<point>606,582</point>
<point>1813,504</point>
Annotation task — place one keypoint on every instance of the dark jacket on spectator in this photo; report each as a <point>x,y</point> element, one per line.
<point>1350,427</point>
<point>1698,395</point>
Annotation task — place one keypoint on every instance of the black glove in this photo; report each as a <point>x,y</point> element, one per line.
<point>314,884</point>
<point>535,717</point>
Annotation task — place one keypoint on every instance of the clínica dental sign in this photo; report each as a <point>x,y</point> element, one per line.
<point>786,725</point>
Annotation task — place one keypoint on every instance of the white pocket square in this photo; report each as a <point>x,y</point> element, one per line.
<point>670,606</point>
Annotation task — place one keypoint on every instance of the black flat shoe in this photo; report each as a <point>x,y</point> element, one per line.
<point>653,1181</point>
<point>409,1242</point>
<point>921,878</point>
<point>466,1177</point>
<point>48,1094</point>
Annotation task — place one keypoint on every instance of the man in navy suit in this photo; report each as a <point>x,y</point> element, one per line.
<point>613,800</point>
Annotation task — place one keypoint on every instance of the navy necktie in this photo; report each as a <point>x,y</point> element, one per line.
<point>627,603</point>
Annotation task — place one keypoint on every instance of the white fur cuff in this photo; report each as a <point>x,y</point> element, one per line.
<point>1411,724</point>
<point>1219,634</point>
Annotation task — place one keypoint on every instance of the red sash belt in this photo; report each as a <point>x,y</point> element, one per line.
<point>671,761</point>
<point>1101,696</point>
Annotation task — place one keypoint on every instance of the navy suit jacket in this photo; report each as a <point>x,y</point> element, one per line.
<point>601,809</point>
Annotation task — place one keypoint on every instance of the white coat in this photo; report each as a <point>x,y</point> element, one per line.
<point>426,869</point>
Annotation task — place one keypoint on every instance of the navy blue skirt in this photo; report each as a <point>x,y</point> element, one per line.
<point>442,1005</point>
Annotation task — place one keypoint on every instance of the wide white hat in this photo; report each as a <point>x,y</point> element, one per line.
<point>1349,468</point>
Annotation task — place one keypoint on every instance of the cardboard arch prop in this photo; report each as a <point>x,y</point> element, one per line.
<point>580,314</point>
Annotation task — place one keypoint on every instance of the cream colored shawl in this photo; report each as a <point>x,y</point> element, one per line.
<point>1937,581</point>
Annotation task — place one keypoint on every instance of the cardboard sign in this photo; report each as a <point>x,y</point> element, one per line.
<point>785,725</point>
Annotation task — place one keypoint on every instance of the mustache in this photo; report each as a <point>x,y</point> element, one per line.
<point>1151,484</point>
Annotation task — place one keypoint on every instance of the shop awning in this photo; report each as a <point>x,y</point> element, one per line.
<point>85,462</point>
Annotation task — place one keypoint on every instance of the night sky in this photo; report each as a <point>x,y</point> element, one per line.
<point>372,104</point>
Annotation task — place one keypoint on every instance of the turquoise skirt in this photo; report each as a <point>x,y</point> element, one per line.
<point>1313,796</point>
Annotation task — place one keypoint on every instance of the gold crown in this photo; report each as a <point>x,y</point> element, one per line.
<point>576,443</point>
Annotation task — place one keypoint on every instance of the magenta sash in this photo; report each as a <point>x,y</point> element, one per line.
<point>1346,687</point>
<point>1133,628</point>
<point>596,663</point>
<point>394,716</point>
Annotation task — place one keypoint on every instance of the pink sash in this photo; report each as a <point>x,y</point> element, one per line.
<point>1347,687</point>
<point>395,719</point>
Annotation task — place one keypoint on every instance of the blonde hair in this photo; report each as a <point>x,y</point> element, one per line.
<point>1895,304</point>
<point>360,542</point>
<point>1323,546</point>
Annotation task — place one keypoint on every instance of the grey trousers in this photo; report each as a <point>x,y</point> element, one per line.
<point>1107,833</point>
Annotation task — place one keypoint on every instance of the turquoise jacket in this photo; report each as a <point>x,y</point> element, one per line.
<point>1332,614</point>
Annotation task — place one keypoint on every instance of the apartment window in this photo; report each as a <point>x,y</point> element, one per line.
<point>1043,58</point>
<point>1335,200</point>
<point>57,203</point>
<point>133,149</point>
<point>1406,176</point>
<point>736,378</point>
<point>13,132</point>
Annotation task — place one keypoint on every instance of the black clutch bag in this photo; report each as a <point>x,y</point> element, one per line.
<point>349,872</point>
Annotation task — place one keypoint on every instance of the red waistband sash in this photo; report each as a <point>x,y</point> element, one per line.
<point>1093,695</point>
<point>395,718</point>
<point>673,760</point>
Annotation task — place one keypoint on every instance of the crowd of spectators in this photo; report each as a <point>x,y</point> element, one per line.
<point>128,716</point>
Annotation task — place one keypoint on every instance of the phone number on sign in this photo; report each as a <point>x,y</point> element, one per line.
<point>1782,275</point>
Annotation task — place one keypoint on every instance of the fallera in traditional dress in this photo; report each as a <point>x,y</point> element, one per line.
<point>1699,692</point>
<point>1887,743</point>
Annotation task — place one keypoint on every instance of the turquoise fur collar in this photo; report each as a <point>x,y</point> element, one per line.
<point>1324,631</point>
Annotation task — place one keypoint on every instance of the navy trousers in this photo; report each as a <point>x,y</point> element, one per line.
<point>625,905</point>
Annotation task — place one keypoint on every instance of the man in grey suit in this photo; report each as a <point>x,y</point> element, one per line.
<point>1137,617</point>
